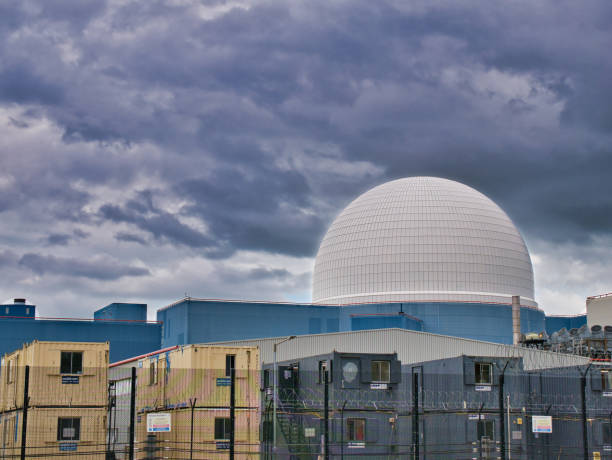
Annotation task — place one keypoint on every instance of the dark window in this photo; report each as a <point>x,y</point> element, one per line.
<point>266,379</point>
<point>486,429</point>
<point>68,429</point>
<point>71,362</point>
<point>230,363</point>
<point>152,373</point>
<point>606,380</point>
<point>606,433</point>
<point>381,371</point>
<point>222,428</point>
<point>483,373</point>
<point>323,365</point>
<point>355,429</point>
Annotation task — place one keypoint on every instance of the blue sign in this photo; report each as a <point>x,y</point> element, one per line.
<point>68,446</point>
<point>224,381</point>
<point>222,445</point>
<point>70,379</point>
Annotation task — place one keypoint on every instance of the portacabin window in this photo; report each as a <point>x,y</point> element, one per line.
<point>71,362</point>
<point>230,363</point>
<point>381,371</point>
<point>355,429</point>
<point>606,434</point>
<point>486,429</point>
<point>483,373</point>
<point>606,379</point>
<point>152,373</point>
<point>323,366</point>
<point>68,429</point>
<point>222,428</point>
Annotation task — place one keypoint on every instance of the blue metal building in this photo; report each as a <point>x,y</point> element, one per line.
<point>123,325</point>
<point>199,321</point>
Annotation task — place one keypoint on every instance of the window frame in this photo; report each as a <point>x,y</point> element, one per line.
<point>9,371</point>
<point>330,366</point>
<point>72,354</point>
<point>226,428</point>
<point>606,379</point>
<point>482,427</point>
<point>153,369</point>
<point>378,363</point>
<point>352,428</point>
<point>61,427</point>
<point>229,360</point>
<point>478,375</point>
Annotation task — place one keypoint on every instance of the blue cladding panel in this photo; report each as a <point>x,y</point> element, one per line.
<point>196,321</point>
<point>126,339</point>
<point>19,310</point>
<point>123,311</point>
<point>555,323</point>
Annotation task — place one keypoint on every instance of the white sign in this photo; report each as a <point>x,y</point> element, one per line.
<point>378,386</point>
<point>607,394</point>
<point>309,432</point>
<point>356,445</point>
<point>483,387</point>
<point>158,422</point>
<point>541,424</point>
<point>475,417</point>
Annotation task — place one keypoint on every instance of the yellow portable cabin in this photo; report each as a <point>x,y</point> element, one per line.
<point>61,374</point>
<point>67,394</point>
<point>170,383</point>
<point>55,433</point>
<point>200,372</point>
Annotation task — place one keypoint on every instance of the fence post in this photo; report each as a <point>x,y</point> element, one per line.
<point>502,428</point>
<point>232,411</point>
<point>326,408</point>
<point>585,443</point>
<point>132,413</point>
<point>192,403</point>
<point>26,401</point>
<point>415,414</point>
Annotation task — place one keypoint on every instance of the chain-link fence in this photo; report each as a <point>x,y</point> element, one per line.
<point>424,412</point>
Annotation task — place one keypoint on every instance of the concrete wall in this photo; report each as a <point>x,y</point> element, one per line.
<point>599,310</point>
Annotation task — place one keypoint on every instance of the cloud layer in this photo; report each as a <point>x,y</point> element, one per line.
<point>155,148</point>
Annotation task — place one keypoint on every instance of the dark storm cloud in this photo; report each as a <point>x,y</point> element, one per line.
<point>130,238</point>
<point>253,126</point>
<point>94,269</point>
<point>142,213</point>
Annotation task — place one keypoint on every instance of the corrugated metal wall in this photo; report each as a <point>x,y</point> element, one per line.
<point>411,347</point>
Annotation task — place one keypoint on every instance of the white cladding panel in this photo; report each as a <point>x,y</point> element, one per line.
<point>599,310</point>
<point>422,239</point>
<point>410,346</point>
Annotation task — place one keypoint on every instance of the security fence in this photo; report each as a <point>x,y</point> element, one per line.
<point>460,408</point>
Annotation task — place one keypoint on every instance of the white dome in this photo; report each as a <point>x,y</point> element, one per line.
<point>422,239</point>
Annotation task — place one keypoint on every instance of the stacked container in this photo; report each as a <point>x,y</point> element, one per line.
<point>189,387</point>
<point>67,394</point>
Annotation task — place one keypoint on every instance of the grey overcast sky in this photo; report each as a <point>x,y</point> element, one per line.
<point>152,149</point>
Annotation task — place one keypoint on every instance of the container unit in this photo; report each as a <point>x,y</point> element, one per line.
<point>364,406</point>
<point>173,378</point>
<point>560,393</point>
<point>61,374</point>
<point>55,433</point>
<point>459,412</point>
<point>67,392</point>
<point>210,434</point>
<point>197,378</point>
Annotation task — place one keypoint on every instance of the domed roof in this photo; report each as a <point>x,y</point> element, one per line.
<point>422,239</point>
